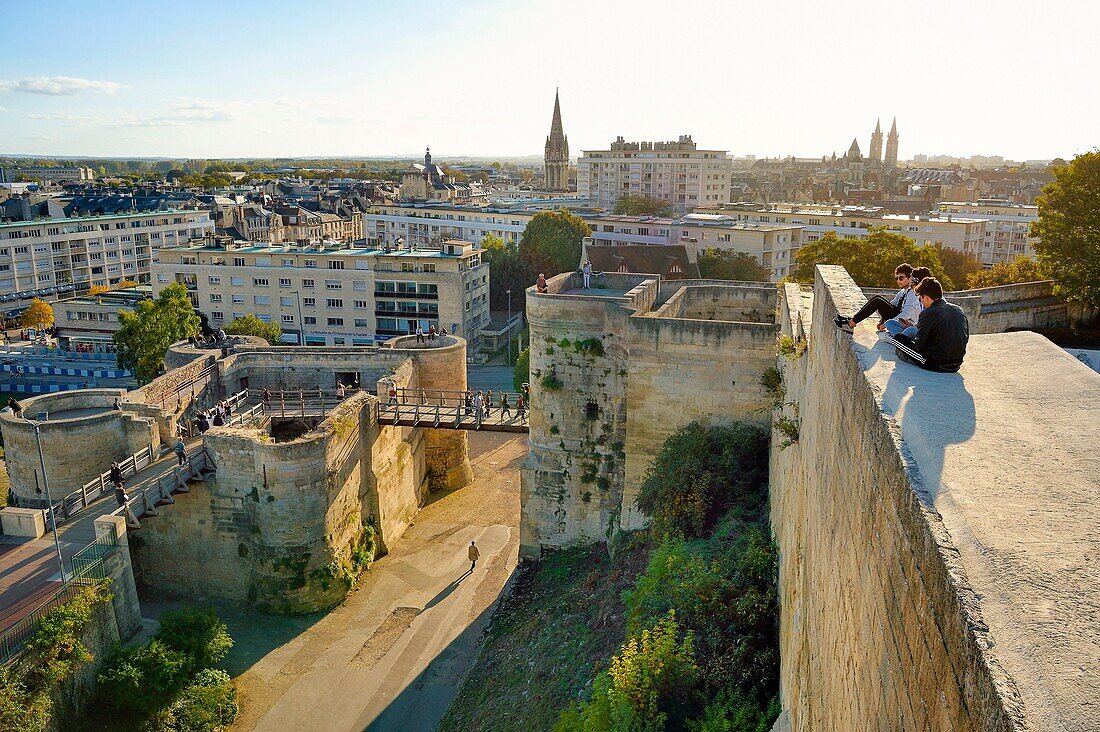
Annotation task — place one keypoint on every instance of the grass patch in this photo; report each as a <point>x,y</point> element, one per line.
<point>548,639</point>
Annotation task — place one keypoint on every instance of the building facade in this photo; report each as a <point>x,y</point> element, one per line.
<point>89,322</point>
<point>50,257</point>
<point>334,295</point>
<point>1008,234</point>
<point>48,175</point>
<point>891,160</point>
<point>677,172</point>
<point>556,155</point>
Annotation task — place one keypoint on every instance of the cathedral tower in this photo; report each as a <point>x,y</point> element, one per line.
<point>875,153</point>
<point>892,146</point>
<point>556,156</point>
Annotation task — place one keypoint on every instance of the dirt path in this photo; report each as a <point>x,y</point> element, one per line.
<point>393,656</point>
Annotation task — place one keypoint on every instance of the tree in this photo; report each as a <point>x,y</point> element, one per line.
<point>145,334</point>
<point>551,242</point>
<point>521,374</point>
<point>643,206</point>
<point>507,271</point>
<point>723,264</point>
<point>250,325</point>
<point>870,261</point>
<point>958,266</point>
<point>1068,228</point>
<point>38,315</point>
<point>1020,269</point>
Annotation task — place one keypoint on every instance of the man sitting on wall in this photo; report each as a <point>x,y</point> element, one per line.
<point>942,332</point>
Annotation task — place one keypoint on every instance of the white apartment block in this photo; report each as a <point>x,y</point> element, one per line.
<point>677,172</point>
<point>1008,234</point>
<point>961,233</point>
<point>423,224</point>
<point>335,295</point>
<point>49,175</point>
<point>50,257</point>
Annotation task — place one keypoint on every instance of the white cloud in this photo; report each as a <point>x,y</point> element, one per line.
<point>62,117</point>
<point>60,86</point>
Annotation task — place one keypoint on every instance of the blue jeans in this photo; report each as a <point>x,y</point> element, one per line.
<point>895,327</point>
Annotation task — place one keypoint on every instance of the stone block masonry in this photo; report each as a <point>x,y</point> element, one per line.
<point>932,529</point>
<point>614,372</point>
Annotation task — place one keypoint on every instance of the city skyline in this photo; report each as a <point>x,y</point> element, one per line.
<point>254,80</point>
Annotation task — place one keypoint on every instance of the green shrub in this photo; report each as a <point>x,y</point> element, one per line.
<point>735,713</point>
<point>22,709</point>
<point>590,347</point>
<point>208,703</point>
<point>772,381</point>
<point>550,382</point>
<point>789,427</point>
<point>702,472</point>
<point>521,372</point>
<point>197,633</point>
<point>142,680</point>
<point>650,686</point>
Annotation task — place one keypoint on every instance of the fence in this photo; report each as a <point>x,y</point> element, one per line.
<point>101,485</point>
<point>299,402</point>
<point>442,408</point>
<point>88,569</point>
<point>145,499</point>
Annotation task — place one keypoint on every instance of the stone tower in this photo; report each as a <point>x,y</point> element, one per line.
<point>892,146</point>
<point>556,157</point>
<point>875,153</point>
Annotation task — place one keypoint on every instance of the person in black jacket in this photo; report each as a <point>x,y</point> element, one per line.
<point>942,332</point>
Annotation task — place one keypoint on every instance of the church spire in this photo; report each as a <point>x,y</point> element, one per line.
<point>875,153</point>
<point>555,123</point>
<point>556,158</point>
<point>892,145</point>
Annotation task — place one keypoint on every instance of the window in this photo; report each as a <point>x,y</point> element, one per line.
<point>284,282</point>
<point>288,318</point>
<point>335,321</point>
<point>310,320</point>
<point>261,300</point>
<point>362,323</point>
<point>333,302</point>
<point>311,263</point>
<point>286,302</point>
<point>215,297</point>
<point>217,315</point>
<point>44,278</point>
<point>236,281</point>
<point>215,280</point>
<point>336,264</point>
<point>429,267</point>
<point>238,299</point>
<point>259,282</point>
<point>309,301</point>
<point>360,304</point>
<point>238,261</point>
<point>265,317</point>
<point>288,262</point>
<point>333,285</point>
<point>307,283</point>
<point>360,285</point>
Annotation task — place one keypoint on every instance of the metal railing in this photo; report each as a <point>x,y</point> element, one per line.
<point>145,499</point>
<point>443,408</point>
<point>101,485</point>
<point>88,569</point>
<point>299,402</point>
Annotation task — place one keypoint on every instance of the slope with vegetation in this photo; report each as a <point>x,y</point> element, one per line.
<point>673,627</point>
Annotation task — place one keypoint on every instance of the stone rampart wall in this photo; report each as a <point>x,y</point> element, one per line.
<point>874,632</point>
<point>75,449</point>
<point>720,301</point>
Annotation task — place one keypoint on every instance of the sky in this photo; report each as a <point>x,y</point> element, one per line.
<point>477,78</point>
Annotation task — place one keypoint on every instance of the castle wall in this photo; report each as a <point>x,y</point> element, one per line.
<point>612,377</point>
<point>874,632</point>
<point>75,449</point>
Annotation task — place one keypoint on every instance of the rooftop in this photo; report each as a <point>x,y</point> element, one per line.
<point>97,219</point>
<point>352,250</point>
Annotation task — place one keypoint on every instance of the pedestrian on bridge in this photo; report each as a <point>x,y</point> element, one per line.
<point>181,452</point>
<point>393,393</point>
<point>505,411</point>
<point>488,402</point>
<point>474,555</point>
<point>521,407</point>
<point>468,402</point>
<point>479,406</point>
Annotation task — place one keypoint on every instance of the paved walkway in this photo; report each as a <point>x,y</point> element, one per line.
<point>393,656</point>
<point>27,567</point>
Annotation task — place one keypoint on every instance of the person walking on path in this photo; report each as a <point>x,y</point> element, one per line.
<point>419,334</point>
<point>474,556</point>
<point>489,403</point>
<point>479,406</point>
<point>587,271</point>
<point>521,408</point>
<point>116,476</point>
<point>393,393</point>
<point>181,452</point>
<point>505,410</point>
<point>468,401</point>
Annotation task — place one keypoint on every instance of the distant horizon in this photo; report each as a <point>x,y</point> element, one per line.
<point>251,80</point>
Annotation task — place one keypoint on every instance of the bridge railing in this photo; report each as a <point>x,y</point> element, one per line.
<point>437,408</point>
<point>144,499</point>
<point>299,402</point>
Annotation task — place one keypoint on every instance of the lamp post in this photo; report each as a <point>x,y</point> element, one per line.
<point>49,498</point>
<point>508,329</point>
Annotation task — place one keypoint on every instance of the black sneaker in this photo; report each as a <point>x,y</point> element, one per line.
<point>842,322</point>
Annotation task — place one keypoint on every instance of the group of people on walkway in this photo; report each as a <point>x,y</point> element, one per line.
<point>216,416</point>
<point>925,329</point>
<point>431,334</point>
<point>481,404</point>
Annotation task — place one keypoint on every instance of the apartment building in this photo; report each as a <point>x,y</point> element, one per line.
<point>334,295</point>
<point>48,175</point>
<point>961,233</point>
<point>88,323</point>
<point>49,257</point>
<point>421,225</point>
<point>677,172</point>
<point>1008,234</point>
